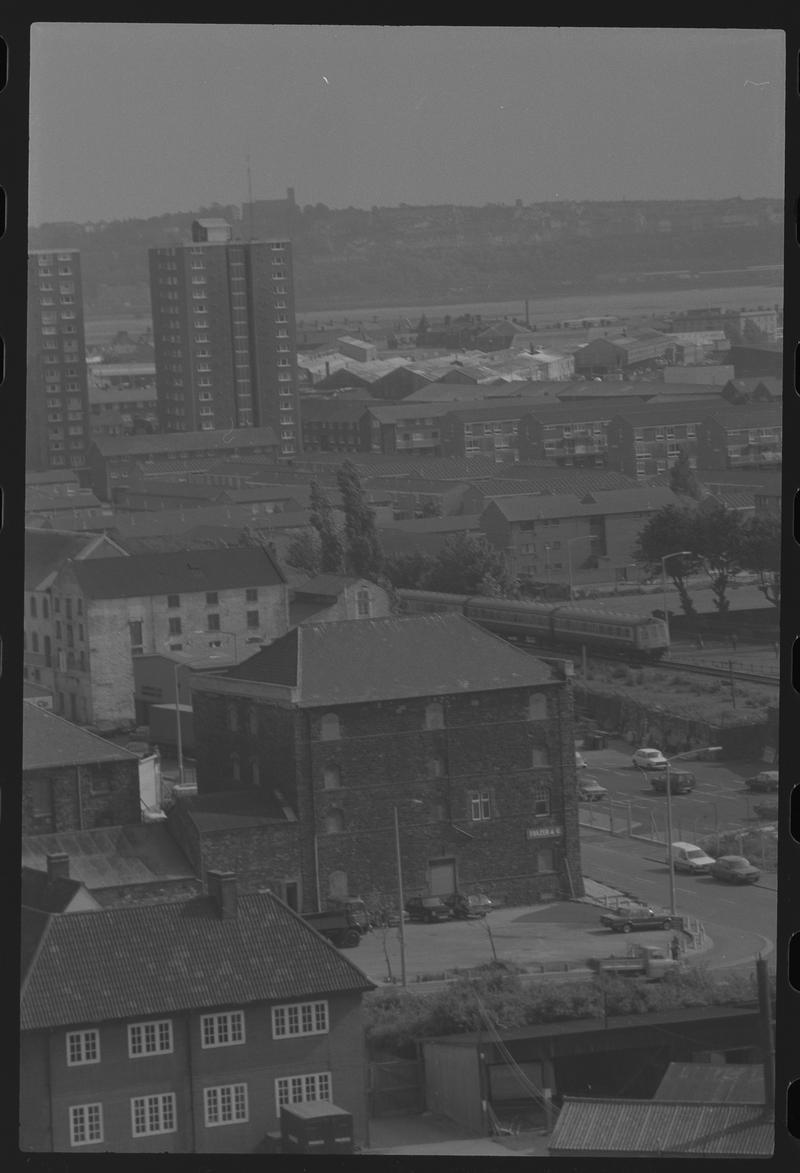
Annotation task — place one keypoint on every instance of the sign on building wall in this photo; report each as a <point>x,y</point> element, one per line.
<point>543,832</point>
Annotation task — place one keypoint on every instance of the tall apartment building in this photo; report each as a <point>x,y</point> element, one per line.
<point>223,323</point>
<point>57,434</point>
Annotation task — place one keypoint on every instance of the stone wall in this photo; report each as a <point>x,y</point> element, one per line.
<point>101,794</point>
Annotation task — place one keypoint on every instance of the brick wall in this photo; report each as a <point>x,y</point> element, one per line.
<point>100,794</point>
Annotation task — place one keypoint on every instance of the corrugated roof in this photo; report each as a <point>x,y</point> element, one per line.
<point>177,573</point>
<point>166,958</point>
<point>716,1083</point>
<point>360,660</point>
<point>109,857</point>
<point>658,1128</point>
<point>184,441</point>
<point>49,740</point>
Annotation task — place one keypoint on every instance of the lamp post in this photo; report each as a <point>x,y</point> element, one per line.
<point>570,542</point>
<point>401,901</point>
<point>675,554</point>
<point>671,862</point>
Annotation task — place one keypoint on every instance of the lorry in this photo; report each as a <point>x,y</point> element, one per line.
<point>340,925</point>
<point>647,961</point>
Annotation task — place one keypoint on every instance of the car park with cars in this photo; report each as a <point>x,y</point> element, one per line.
<point>633,919</point>
<point>468,907</point>
<point>649,759</point>
<point>590,790</point>
<point>763,783</point>
<point>686,857</point>
<point>734,869</point>
<point>427,909</point>
<point>680,781</point>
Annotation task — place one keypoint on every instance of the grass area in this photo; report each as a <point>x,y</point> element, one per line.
<point>700,698</point>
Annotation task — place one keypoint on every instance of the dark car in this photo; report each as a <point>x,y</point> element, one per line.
<point>590,790</point>
<point>628,920</point>
<point>680,782</point>
<point>734,869</point>
<point>764,783</point>
<point>427,909</point>
<point>467,907</point>
<point>355,906</point>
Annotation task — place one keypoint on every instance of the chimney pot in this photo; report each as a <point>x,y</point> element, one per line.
<point>222,890</point>
<point>58,866</point>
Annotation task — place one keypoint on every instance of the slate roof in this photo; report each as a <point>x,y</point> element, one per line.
<point>757,416</point>
<point>329,585</point>
<point>529,507</point>
<point>729,1083</point>
<point>660,1128</point>
<point>656,413</point>
<point>44,894</point>
<point>152,522</point>
<point>359,660</point>
<point>49,740</point>
<point>46,551</point>
<point>165,958</point>
<point>184,441</point>
<point>377,465</point>
<point>575,481</point>
<point>109,857</point>
<point>347,411</point>
<point>176,573</point>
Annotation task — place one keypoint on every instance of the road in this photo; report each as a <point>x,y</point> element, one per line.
<point>718,802</point>
<point>742,921</point>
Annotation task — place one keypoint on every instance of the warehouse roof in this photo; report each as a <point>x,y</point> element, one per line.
<point>360,660</point>
<point>170,957</point>
<point>182,572</point>
<point>49,740</point>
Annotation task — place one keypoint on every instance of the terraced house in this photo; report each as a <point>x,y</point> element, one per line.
<point>183,1027</point>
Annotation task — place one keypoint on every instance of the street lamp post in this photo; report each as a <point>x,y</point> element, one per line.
<point>671,861</point>
<point>401,901</point>
<point>675,554</point>
<point>570,541</point>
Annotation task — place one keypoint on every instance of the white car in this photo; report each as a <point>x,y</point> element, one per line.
<point>649,759</point>
<point>580,764</point>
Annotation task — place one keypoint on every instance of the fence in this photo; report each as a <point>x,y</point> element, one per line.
<point>622,817</point>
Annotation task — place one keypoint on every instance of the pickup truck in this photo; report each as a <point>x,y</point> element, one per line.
<point>648,961</point>
<point>339,925</point>
<point>628,920</point>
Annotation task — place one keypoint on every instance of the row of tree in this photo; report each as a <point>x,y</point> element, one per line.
<point>709,537</point>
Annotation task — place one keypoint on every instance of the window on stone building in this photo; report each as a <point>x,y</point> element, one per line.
<point>252,619</point>
<point>45,609</point>
<point>541,802</point>
<point>435,766</point>
<point>537,706</point>
<point>236,770</point>
<point>480,802</point>
<point>33,607</point>
<point>173,600</point>
<point>545,859</point>
<point>331,777</point>
<point>252,721</point>
<point>329,727</point>
<point>362,603</point>
<point>213,622</point>
<point>212,598</point>
<point>255,772</point>
<point>233,717</point>
<point>174,627</point>
<point>334,822</point>
<point>434,715</point>
<point>34,642</point>
<point>539,755</point>
<point>135,628</point>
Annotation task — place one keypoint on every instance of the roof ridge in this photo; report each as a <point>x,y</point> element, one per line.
<point>81,729</point>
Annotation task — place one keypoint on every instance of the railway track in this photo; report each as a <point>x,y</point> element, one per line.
<point>722,670</point>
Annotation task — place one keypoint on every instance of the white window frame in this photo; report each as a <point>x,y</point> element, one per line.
<point>225,1103</point>
<point>481,806</point>
<point>85,1042</point>
<point>80,1117</point>
<point>294,1019</point>
<point>138,1033</point>
<point>156,1109</point>
<point>303,1089</point>
<point>229,1022</point>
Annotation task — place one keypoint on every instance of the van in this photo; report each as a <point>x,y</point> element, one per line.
<point>680,782</point>
<point>686,857</point>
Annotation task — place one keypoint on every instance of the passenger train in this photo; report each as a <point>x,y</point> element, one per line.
<point>605,632</point>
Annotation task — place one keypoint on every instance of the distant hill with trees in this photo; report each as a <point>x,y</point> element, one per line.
<point>449,253</point>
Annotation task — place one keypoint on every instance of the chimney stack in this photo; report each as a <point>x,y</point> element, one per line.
<point>222,890</point>
<point>57,866</point>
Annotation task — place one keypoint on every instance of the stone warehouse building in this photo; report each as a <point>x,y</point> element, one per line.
<point>306,749</point>
<point>106,611</point>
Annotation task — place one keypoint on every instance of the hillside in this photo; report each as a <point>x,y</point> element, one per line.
<point>357,257</point>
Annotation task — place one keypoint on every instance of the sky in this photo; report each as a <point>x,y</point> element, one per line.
<point>137,120</point>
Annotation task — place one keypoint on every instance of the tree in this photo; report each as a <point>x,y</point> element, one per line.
<point>304,553</point>
<point>363,553</point>
<point>331,553</point>
<point>670,530</point>
<point>468,565</point>
<point>682,479</point>
<point>718,540</point>
<point>408,571</point>
<point>761,554</point>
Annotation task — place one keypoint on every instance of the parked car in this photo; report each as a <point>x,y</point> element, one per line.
<point>734,869</point>
<point>355,906</point>
<point>765,810</point>
<point>763,783</point>
<point>680,781</point>
<point>631,919</point>
<point>427,909</point>
<point>688,858</point>
<point>580,763</point>
<point>464,907</point>
<point>590,790</point>
<point>649,759</point>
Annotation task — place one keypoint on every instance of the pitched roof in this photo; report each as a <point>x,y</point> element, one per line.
<point>108,857</point>
<point>184,441</point>
<point>691,410</point>
<point>659,1128</point>
<point>49,740</point>
<point>44,894</point>
<point>348,411</point>
<point>730,1083</point>
<point>359,660</point>
<point>756,416</point>
<point>168,957</point>
<point>328,585</point>
<point>176,573</point>
<point>46,551</point>
<point>528,507</point>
